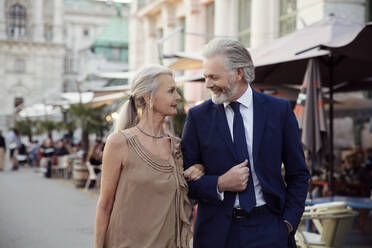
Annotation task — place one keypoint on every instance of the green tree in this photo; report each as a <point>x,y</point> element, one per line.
<point>46,126</point>
<point>90,120</point>
<point>24,126</point>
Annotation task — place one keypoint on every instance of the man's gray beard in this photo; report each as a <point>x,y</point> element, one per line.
<point>225,96</point>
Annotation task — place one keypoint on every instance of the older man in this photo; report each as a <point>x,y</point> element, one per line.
<point>242,137</point>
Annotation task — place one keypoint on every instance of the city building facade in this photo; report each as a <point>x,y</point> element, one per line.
<point>41,42</point>
<point>163,27</point>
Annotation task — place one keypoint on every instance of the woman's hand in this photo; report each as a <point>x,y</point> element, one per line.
<point>194,172</point>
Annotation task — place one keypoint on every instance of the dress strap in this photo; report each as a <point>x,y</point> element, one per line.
<point>127,133</point>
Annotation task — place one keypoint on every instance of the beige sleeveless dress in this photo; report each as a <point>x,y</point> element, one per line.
<point>151,208</point>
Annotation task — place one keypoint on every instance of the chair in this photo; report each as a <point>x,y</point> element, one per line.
<point>332,221</point>
<point>61,168</point>
<point>92,176</point>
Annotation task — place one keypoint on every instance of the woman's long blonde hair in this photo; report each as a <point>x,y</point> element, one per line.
<point>144,82</point>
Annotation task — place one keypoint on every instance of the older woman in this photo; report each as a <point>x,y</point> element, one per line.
<point>143,201</point>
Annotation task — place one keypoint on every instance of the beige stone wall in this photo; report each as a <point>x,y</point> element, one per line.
<point>43,59</point>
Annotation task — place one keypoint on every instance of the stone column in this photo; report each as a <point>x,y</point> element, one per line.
<point>58,21</point>
<point>38,21</point>
<point>168,15</point>
<point>226,10</point>
<point>195,24</point>
<point>134,30</point>
<point>262,21</point>
<point>151,49</point>
<point>2,20</point>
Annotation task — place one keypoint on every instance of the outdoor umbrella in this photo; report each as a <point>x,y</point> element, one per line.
<point>343,51</point>
<point>339,43</point>
<point>309,111</point>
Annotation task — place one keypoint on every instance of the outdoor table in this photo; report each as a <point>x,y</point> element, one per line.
<point>353,202</point>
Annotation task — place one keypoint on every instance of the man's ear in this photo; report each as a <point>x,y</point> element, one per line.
<point>240,72</point>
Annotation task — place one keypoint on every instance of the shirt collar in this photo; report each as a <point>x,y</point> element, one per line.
<point>245,99</point>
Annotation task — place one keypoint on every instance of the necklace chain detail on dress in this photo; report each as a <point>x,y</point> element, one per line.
<point>150,135</point>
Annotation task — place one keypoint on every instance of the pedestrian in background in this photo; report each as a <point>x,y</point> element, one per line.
<point>95,156</point>
<point>14,142</point>
<point>2,151</point>
<point>33,151</point>
<point>143,201</point>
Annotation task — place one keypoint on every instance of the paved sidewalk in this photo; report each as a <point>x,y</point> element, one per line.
<point>36,212</point>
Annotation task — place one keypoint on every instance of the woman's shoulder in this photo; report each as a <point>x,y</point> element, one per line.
<point>175,140</point>
<point>117,139</point>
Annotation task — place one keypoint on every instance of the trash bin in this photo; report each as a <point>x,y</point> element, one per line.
<point>80,174</point>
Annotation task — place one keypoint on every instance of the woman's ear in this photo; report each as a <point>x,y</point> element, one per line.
<point>147,98</point>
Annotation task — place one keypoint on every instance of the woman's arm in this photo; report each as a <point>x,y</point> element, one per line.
<point>114,156</point>
<point>194,172</point>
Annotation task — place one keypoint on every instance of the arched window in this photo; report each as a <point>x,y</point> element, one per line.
<point>17,21</point>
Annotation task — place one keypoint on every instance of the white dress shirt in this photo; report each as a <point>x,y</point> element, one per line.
<point>246,110</point>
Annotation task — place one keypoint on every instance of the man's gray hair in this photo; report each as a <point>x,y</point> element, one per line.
<point>235,54</point>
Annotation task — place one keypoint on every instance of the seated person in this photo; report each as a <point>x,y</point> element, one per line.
<point>33,151</point>
<point>95,155</point>
<point>21,155</point>
<point>350,174</point>
<point>47,151</point>
<point>366,173</point>
<point>61,149</point>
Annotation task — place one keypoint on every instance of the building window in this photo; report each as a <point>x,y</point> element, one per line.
<point>18,102</point>
<point>115,53</point>
<point>20,65</point>
<point>142,3</point>
<point>48,32</point>
<point>86,32</point>
<point>245,22</point>
<point>210,21</point>
<point>69,65</point>
<point>288,16</point>
<point>17,21</point>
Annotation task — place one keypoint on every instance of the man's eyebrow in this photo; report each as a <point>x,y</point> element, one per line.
<point>209,75</point>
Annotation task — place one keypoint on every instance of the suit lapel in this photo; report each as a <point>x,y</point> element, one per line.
<point>259,121</point>
<point>223,128</point>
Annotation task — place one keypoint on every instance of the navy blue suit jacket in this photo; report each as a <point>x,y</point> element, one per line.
<point>206,139</point>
